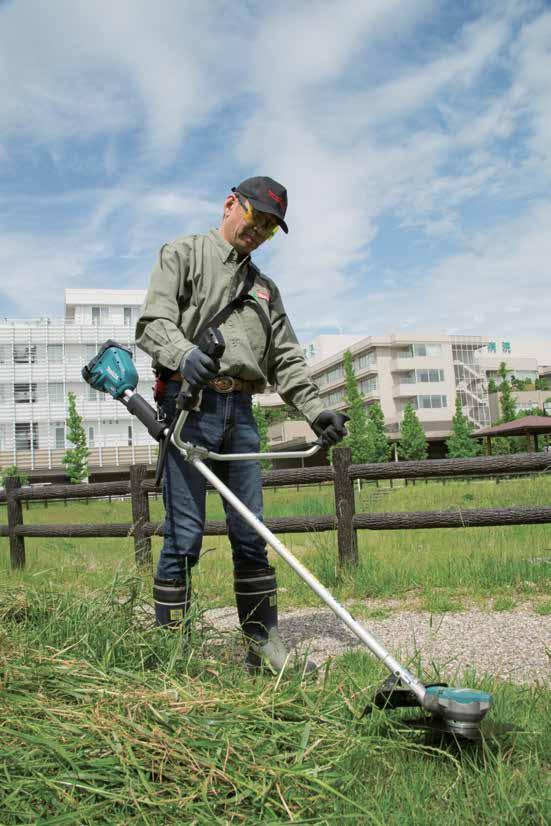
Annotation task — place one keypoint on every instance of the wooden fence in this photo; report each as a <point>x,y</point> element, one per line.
<point>345,520</point>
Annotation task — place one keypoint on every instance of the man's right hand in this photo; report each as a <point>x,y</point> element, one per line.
<point>198,368</point>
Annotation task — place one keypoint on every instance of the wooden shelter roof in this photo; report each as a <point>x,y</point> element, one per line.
<point>519,427</point>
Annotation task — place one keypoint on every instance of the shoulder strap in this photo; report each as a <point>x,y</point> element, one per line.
<point>243,297</point>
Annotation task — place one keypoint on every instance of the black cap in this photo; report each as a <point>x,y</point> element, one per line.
<point>266,195</point>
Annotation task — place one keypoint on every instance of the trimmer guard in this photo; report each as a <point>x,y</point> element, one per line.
<point>457,711</point>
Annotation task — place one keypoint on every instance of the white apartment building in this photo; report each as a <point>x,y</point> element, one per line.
<point>41,361</point>
<point>424,371</point>
<point>427,372</point>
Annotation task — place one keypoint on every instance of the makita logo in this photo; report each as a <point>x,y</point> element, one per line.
<point>275,197</point>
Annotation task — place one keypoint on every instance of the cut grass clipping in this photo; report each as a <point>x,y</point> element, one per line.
<point>105,719</point>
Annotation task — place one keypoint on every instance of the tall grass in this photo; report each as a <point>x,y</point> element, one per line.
<point>104,719</point>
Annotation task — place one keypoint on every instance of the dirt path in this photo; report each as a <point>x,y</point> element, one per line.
<point>510,645</point>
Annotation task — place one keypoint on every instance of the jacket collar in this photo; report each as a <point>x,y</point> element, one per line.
<point>224,248</point>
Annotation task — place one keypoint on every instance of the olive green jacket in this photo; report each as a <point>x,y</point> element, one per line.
<point>194,278</point>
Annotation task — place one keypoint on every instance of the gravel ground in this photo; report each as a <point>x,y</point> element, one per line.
<point>513,646</point>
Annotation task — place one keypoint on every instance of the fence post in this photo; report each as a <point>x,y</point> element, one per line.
<point>140,515</point>
<point>15,517</point>
<point>345,507</point>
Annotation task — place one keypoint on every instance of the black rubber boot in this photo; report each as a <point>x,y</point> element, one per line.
<point>256,598</point>
<point>172,600</point>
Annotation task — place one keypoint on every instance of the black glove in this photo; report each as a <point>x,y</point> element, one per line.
<point>330,426</point>
<point>198,368</point>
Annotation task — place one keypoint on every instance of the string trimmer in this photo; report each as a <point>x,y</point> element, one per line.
<point>449,710</point>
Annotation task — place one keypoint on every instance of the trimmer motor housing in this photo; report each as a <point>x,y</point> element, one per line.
<point>111,370</point>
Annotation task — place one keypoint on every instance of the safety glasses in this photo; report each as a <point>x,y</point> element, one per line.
<point>263,223</point>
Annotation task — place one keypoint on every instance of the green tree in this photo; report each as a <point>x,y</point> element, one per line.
<point>75,458</point>
<point>460,444</point>
<point>13,470</point>
<point>378,446</point>
<point>506,399</point>
<point>262,424</point>
<point>282,413</point>
<point>506,444</point>
<point>357,439</point>
<point>413,442</point>
<point>492,386</point>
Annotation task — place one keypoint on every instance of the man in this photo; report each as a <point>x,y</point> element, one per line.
<point>195,278</point>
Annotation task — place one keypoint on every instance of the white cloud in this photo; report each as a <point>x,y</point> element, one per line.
<point>84,69</point>
<point>499,285</point>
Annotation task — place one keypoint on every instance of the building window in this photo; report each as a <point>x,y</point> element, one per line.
<point>26,435</point>
<point>128,316</point>
<point>364,360</point>
<point>69,315</point>
<point>419,350</point>
<point>404,353</point>
<point>335,397</point>
<point>55,353</point>
<point>100,315</point>
<point>335,374</point>
<point>55,392</point>
<point>430,375</point>
<point>24,353</point>
<point>407,378</point>
<point>433,349</point>
<point>90,437</point>
<point>24,393</point>
<point>368,385</point>
<point>432,401</point>
<point>3,392</point>
<point>5,353</point>
<point>129,435</point>
<point>526,407</point>
<point>60,437</point>
<point>427,349</point>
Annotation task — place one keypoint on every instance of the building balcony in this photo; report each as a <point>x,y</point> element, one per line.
<point>112,456</point>
<point>406,390</point>
<point>405,363</point>
<point>47,411</point>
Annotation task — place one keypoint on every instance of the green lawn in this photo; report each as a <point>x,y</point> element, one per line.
<point>424,566</point>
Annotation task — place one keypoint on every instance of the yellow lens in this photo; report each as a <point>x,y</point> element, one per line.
<point>263,223</point>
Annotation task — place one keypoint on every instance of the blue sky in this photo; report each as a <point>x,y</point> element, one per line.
<point>414,138</point>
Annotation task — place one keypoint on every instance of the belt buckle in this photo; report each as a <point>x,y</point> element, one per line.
<point>224,384</point>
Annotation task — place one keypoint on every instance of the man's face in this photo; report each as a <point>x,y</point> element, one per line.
<point>240,233</point>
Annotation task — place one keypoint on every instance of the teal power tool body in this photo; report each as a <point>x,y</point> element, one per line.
<point>458,712</point>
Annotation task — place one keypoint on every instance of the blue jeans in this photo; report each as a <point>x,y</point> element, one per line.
<point>224,424</point>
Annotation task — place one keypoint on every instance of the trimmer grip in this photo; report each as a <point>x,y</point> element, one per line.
<point>143,411</point>
<point>211,342</point>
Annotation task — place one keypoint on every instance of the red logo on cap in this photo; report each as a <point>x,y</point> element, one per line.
<point>276,198</point>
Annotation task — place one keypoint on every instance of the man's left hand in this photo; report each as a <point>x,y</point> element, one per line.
<point>330,426</point>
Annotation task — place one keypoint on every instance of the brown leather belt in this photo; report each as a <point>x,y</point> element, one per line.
<point>227,384</point>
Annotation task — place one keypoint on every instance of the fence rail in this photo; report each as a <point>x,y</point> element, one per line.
<point>345,520</point>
